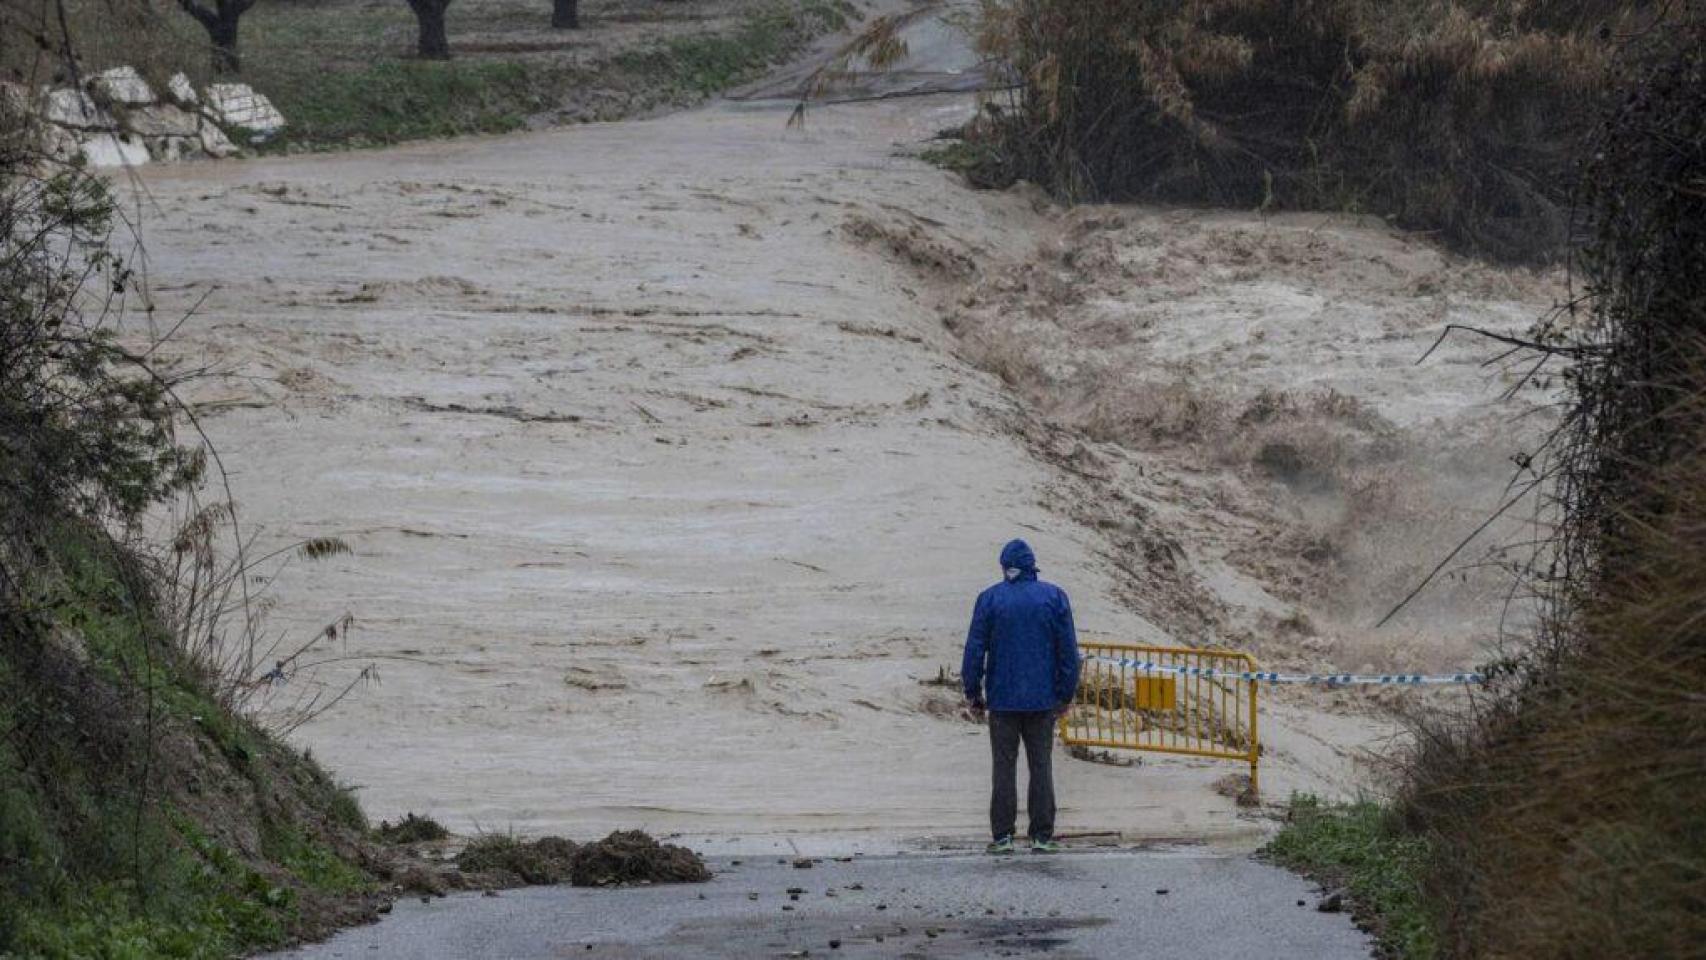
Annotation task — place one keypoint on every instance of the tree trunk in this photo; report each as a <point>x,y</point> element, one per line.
<point>565,14</point>
<point>223,33</point>
<point>434,45</point>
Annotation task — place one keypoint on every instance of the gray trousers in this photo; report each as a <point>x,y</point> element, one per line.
<point>1006,731</point>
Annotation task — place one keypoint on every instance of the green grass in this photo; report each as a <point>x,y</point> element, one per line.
<point>982,164</point>
<point>343,75</point>
<point>112,617</point>
<point>311,862</point>
<point>346,79</point>
<point>956,155</point>
<point>397,100</point>
<point>1362,848</point>
<point>87,873</point>
<point>701,65</point>
<point>106,923</point>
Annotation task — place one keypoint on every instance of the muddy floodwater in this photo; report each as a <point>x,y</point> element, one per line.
<point>666,483</point>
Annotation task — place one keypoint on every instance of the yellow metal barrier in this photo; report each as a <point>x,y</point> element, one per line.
<point>1121,706</point>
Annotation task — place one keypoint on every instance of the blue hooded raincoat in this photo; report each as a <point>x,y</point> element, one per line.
<point>1021,650</point>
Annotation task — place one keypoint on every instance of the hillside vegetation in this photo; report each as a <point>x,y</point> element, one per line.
<point>1566,820</point>
<point>1561,818</point>
<point>142,813</point>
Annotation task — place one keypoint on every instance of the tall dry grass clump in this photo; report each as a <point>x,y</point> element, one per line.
<point>1461,117</point>
<point>1567,819</point>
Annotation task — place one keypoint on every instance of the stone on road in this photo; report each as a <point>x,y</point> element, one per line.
<point>1088,904</point>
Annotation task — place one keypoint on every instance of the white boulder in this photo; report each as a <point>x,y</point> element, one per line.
<point>115,119</point>
<point>214,142</point>
<point>57,143</point>
<point>162,120</point>
<point>182,90</point>
<point>238,105</point>
<point>121,85</point>
<point>113,149</point>
<point>75,109</point>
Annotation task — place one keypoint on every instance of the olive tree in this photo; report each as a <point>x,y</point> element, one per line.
<point>219,19</point>
<point>433,44</point>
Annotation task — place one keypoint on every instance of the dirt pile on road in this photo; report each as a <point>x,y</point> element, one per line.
<point>411,829</point>
<point>625,856</point>
<point>632,856</point>
<point>499,859</point>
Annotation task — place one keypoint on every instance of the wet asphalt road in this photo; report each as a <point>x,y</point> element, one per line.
<point>1102,904</point>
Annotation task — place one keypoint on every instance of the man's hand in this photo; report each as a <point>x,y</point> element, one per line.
<point>973,710</point>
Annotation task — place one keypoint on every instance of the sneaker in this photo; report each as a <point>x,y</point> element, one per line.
<point>1003,845</point>
<point>1045,846</point>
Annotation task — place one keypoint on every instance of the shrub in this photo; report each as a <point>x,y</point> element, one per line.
<point>1566,819</point>
<point>411,829</point>
<point>1360,851</point>
<point>1450,116</point>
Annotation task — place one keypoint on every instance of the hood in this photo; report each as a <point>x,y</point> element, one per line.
<point>1017,560</point>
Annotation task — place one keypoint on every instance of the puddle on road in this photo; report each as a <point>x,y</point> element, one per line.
<point>863,935</point>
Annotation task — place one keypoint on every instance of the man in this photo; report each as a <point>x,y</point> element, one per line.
<point>1021,664</point>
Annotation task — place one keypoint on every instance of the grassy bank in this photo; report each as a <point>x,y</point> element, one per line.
<point>139,817</point>
<point>344,73</point>
<point>404,100</point>
<point>401,98</point>
<point>143,812</point>
<point>698,66</point>
<point>1362,852</point>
